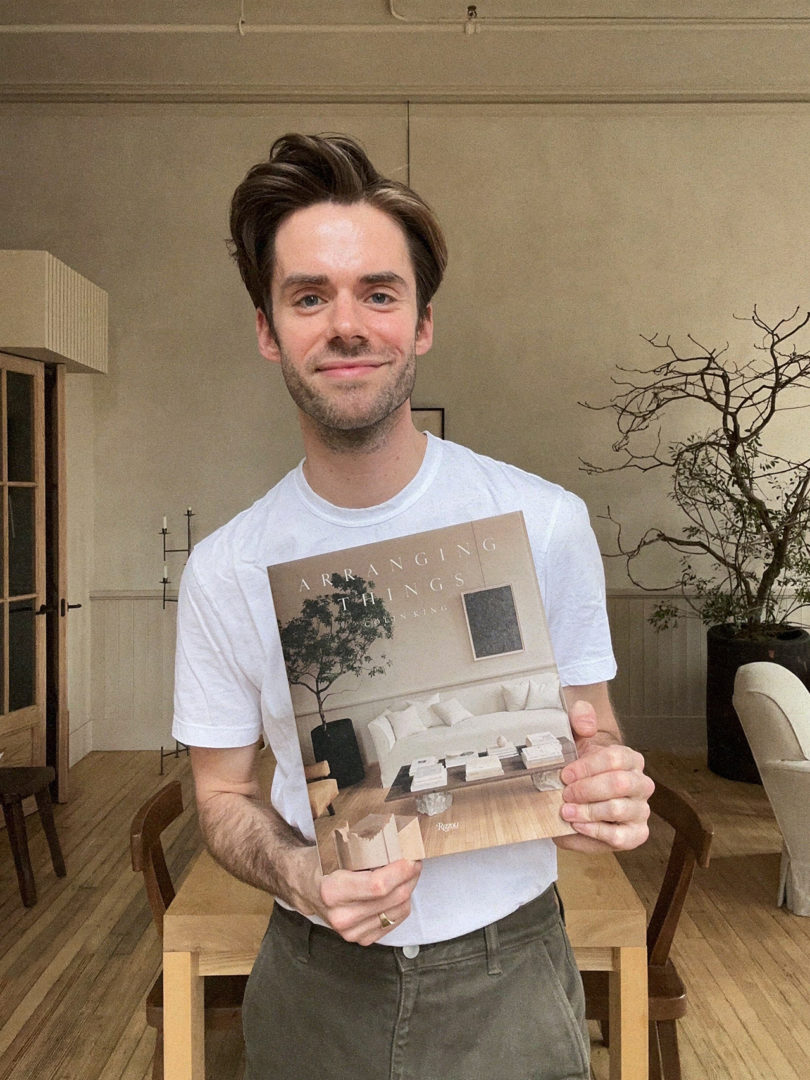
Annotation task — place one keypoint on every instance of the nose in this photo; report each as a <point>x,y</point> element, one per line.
<point>347,318</point>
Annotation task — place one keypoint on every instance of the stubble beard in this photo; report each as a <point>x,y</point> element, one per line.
<point>339,420</point>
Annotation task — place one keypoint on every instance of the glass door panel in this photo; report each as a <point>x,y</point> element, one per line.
<point>20,426</point>
<point>22,555</point>
<point>21,541</point>
<point>21,654</point>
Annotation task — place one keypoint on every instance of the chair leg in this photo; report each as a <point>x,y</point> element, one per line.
<point>157,1060</point>
<point>18,837</point>
<point>45,808</point>
<point>669,1058</point>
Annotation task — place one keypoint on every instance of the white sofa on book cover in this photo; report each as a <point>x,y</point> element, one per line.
<point>465,718</point>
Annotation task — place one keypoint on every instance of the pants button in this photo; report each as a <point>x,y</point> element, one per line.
<point>410,951</point>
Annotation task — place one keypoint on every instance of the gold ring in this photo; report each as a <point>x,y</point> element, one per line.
<point>385,922</point>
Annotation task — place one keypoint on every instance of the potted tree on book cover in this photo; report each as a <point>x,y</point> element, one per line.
<point>331,637</point>
<point>744,545</point>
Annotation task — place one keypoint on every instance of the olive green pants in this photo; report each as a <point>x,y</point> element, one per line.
<point>501,1003</point>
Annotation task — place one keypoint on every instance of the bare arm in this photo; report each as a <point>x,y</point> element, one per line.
<point>254,843</point>
<point>247,836</point>
<point>606,791</point>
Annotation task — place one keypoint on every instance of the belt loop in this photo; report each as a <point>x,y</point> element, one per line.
<point>493,949</point>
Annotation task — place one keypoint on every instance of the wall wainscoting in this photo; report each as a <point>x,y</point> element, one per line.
<point>658,692</point>
<point>132,676</point>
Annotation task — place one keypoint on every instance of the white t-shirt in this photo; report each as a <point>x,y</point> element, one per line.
<point>230,681</point>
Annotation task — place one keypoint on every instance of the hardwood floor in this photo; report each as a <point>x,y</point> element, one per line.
<point>74,969</point>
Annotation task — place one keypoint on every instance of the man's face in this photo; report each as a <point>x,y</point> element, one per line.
<point>345,315</point>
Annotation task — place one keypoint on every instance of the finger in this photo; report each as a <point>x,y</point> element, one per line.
<point>613,835</point>
<point>626,811</point>
<point>372,929</point>
<point>354,886</point>
<point>582,717</point>
<point>631,786</point>
<point>357,917</point>
<point>600,759</point>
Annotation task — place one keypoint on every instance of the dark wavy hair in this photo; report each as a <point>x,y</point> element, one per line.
<point>306,169</point>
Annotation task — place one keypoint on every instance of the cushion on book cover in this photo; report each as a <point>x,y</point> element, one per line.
<point>405,721</point>
<point>451,711</point>
<point>515,695</point>
<point>426,714</point>
<point>543,695</point>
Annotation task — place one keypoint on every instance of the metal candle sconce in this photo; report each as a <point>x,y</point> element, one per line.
<point>164,532</point>
<point>179,748</point>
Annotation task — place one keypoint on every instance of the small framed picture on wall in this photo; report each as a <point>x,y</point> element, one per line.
<point>429,419</point>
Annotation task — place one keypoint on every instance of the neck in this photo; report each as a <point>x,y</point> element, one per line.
<point>366,468</point>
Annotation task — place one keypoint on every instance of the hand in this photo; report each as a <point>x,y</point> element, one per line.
<point>353,900</point>
<point>606,791</point>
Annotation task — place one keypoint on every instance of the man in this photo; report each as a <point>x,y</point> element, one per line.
<point>458,968</point>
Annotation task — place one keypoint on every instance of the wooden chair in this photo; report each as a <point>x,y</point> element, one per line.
<point>18,783</point>
<point>223,993</point>
<point>322,789</point>
<point>667,994</point>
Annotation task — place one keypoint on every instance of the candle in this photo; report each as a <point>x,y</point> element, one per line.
<point>165,572</point>
<point>164,523</point>
<point>188,510</point>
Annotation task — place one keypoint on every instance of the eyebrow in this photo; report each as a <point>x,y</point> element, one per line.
<point>385,277</point>
<point>382,277</point>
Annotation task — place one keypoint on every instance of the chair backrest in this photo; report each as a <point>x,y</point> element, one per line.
<point>690,847</point>
<point>147,850</point>
<point>773,705</point>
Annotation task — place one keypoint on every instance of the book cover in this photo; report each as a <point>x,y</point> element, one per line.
<point>425,693</point>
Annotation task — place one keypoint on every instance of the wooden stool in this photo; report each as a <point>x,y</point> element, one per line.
<point>16,784</point>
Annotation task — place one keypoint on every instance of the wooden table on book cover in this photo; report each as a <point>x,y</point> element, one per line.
<point>215,926</point>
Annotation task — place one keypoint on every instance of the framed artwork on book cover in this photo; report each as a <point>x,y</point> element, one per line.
<point>492,621</point>
<point>429,419</point>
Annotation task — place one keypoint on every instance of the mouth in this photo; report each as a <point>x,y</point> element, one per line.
<point>347,367</point>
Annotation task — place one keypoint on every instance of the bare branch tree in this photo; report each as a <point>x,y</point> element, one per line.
<point>744,548</point>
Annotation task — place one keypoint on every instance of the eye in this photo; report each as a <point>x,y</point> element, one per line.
<point>308,301</point>
<point>381,298</point>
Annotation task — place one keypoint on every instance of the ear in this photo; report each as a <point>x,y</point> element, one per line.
<point>424,332</point>
<point>268,346</point>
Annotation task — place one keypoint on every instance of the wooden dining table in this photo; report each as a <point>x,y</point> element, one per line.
<point>215,925</point>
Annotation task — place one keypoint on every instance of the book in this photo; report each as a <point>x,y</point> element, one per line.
<point>421,669</point>
<point>429,777</point>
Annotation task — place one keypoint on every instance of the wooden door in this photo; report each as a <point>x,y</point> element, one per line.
<point>22,562</point>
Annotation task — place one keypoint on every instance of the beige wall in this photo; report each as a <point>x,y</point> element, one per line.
<point>574,227</point>
<point>136,199</point>
<point>584,228</point>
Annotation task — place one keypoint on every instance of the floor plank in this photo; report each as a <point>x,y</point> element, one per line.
<point>75,969</point>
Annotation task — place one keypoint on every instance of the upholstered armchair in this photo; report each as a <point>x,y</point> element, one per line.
<point>322,789</point>
<point>774,709</point>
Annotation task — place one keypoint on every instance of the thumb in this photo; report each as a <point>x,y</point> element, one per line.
<point>583,719</point>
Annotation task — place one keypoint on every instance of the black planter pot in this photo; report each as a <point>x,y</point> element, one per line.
<point>729,753</point>
<point>337,744</point>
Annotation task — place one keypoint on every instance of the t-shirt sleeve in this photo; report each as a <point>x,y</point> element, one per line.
<point>216,702</point>
<point>574,598</point>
